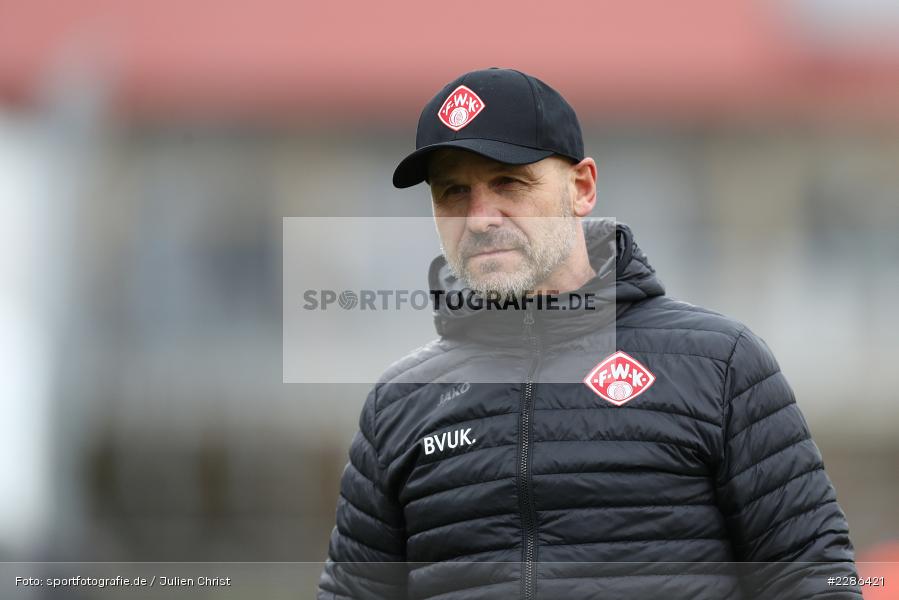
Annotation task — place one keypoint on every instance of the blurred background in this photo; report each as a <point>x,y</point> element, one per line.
<point>149,151</point>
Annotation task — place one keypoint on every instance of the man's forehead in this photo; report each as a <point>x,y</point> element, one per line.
<point>446,160</point>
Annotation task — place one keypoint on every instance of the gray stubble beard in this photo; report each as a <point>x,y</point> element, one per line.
<point>541,259</point>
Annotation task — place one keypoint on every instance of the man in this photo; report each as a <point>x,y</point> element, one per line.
<point>642,447</point>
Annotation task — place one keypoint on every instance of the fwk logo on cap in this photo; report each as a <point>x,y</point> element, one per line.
<point>460,108</point>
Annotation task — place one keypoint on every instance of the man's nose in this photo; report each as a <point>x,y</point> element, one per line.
<point>483,210</point>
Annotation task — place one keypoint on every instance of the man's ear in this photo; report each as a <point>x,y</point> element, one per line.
<point>583,178</point>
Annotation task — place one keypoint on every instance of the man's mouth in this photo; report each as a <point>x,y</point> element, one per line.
<point>492,252</point>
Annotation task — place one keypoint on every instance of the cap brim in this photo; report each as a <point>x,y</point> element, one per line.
<point>414,168</point>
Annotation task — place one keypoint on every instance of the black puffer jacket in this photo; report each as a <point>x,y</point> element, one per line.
<point>530,489</point>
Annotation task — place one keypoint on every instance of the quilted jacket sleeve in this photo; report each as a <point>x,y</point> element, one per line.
<point>780,507</point>
<point>366,556</point>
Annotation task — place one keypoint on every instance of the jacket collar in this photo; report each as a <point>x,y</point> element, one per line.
<point>623,276</point>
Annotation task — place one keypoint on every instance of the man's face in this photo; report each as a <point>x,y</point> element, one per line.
<point>504,228</point>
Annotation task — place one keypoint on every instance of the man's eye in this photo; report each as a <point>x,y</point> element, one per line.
<point>506,181</point>
<point>453,190</point>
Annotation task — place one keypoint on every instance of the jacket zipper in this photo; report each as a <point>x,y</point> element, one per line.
<point>526,503</point>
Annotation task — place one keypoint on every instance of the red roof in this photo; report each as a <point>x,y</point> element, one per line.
<point>311,61</point>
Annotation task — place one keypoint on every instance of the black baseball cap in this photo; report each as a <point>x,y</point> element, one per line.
<point>502,114</point>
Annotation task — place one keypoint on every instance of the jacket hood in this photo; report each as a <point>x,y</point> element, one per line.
<point>623,277</point>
